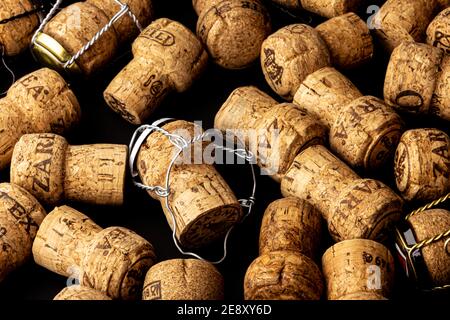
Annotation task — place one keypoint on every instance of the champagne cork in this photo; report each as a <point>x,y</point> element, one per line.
<point>422,164</point>
<point>167,57</point>
<point>38,102</point>
<point>403,20</point>
<point>353,207</point>
<point>362,296</point>
<point>417,80</point>
<point>358,266</point>
<point>15,35</point>
<point>274,132</point>
<point>51,170</point>
<point>233,30</point>
<point>20,217</point>
<point>324,8</point>
<point>183,279</point>
<point>203,204</point>
<point>290,224</point>
<point>77,292</point>
<point>438,32</point>
<point>112,260</point>
<point>292,53</point>
<point>364,131</point>
<point>283,275</point>
<point>75,25</point>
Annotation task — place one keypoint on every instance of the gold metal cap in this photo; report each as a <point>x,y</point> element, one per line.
<point>51,54</point>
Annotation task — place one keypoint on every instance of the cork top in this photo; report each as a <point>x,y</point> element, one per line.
<point>438,31</point>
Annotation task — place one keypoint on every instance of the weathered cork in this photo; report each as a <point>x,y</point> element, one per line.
<point>20,217</point>
<point>233,30</point>
<point>77,292</point>
<point>358,266</point>
<point>353,207</point>
<point>38,102</point>
<point>183,279</point>
<point>324,8</point>
<point>51,170</point>
<point>15,35</point>
<point>422,164</point>
<point>113,260</point>
<point>438,32</point>
<point>426,225</point>
<point>291,224</point>
<point>203,204</point>
<point>364,131</point>
<point>283,275</point>
<point>417,80</point>
<point>167,57</point>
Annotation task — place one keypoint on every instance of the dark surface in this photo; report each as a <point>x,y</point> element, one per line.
<point>143,214</point>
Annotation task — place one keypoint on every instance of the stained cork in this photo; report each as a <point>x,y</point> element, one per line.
<point>353,207</point>
<point>80,293</point>
<point>364,131</point>
<point>75,25</point>
<point>167,57</point>
<point>38,102</point>
<point>203,204</point>
<point>358,266</point>
<point>112,260</point>
<point>422,163</point>
<point>233,30</point>
<point>15,35</point>
<point>292,53</point>
<point>403,20</point>
<point>183,279</point>
<point>274,132</point>
<point>438,31</point>
<point>20,217</point>
<point>283,275</point>
<point>290,224</point>
<point>327,8</point>
<point>51,170</point>
<point>417,80</point>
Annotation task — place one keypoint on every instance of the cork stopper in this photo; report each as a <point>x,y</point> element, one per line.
<point>358,266</point>
<point>403,20</point>
<point>15,35</point>
<point>416,79</point>
<point>112,260</point>
<point>203,204</point>
<point>80,293</point>
<point>362,296</point>
<point>51,170</point>
<point>290,224</point>
<point>438,31</point>
<point>353,207</point>
<point>327,8</point>
<point>426,225</point>
<point>422,162</point>
<point>363,129</point>
<point>167,57</point>
<point>183,279</point>
<point>20,217</point>
<point>283,275</point>
<point>38,102</point>
<point>233,31</point>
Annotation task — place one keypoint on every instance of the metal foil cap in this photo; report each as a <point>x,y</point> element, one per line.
<point>52,54</point>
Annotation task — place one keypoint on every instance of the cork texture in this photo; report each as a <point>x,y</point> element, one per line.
<point>183,279</point>
<point>80,293</point>
<point>422,164</point>
<point>203,204</point>
<point>38,102</point>
<point>438,31</point>
<point>53,171</point>
<point>426,225</point>
<point>358,266</point>
<point>327,8</point>
<point>353,207</point>
<point>233,31</point>
<point>167,57</point>
<point>15,35</point>
<point>440,101</point>
<point>283,275</point>
<point>362,296</point>
<point>20,217</point>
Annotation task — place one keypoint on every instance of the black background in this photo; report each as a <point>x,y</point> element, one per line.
<point>144,215</point>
